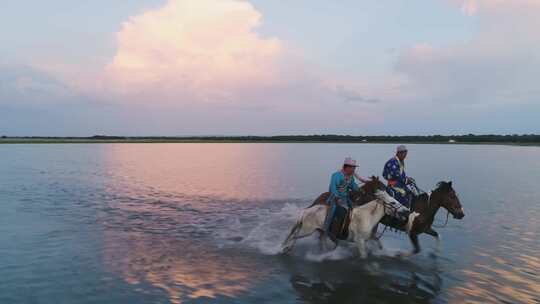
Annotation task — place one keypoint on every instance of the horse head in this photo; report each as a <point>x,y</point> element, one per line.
<point>373,185</point>
<point>378,190</point>
<point>449,199</point>
<point>367,192</point>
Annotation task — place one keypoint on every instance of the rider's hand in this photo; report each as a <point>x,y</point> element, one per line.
<point>411,180</point>
<point>361,179</point>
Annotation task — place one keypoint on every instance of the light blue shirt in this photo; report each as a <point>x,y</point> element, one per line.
<point>340,185</point>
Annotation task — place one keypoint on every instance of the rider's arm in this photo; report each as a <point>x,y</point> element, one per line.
<point>392,170</point>
<point>354,185</point>
<point>388,172</point>
<point>361,179</point>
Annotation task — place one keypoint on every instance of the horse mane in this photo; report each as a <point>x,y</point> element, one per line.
<point>373,178</point>
<point>443,186</point>
<point>422,198</point>
<point>371,184</point>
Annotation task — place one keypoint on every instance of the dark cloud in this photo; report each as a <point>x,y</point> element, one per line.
<point>20,84</point>
<point>349,95</point>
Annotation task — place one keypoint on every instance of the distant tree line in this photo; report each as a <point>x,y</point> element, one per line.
<point>468,138</point>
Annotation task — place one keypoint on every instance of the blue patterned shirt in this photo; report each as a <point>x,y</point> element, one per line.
<point>394,170</point>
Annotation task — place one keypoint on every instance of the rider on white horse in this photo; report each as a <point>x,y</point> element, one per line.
<point>341,183</point>
<point>363,218</point>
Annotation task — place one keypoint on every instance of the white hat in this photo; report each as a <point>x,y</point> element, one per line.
<point>401,148</point>
<point>350,162</point>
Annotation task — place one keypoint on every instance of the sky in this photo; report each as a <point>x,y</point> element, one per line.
<point>266,67</point>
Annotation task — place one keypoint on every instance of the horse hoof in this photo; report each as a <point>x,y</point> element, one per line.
<point>403,255</point>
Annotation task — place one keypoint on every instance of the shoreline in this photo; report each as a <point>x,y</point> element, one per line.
<point>8,141</point>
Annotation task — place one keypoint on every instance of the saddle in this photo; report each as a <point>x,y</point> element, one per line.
<point>339,227</point>
<point>323,199</point>
<point>400,224</point>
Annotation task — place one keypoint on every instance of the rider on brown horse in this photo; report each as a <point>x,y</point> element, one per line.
<point>400,186</point>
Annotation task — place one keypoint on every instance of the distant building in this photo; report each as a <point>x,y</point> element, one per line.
<point>451,141</point>
<point>364,140</point>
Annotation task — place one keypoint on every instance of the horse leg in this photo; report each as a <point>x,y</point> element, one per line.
<point>436,235</point>
<point>414,240</point>
<point>322,240</point>
<point>375,238</point>
<point>361,243</point>
<point>416,246</point>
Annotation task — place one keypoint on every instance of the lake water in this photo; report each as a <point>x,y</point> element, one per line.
<point>202,223</point>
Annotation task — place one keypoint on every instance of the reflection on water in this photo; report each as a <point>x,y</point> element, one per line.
<point>160,223</point>
<point>183,269</point>
<point>510,276</point>
<point>384,279</point>
<point>157,235</point>
<point>509,269</point>
<point>183,223</point>
<point>202,170</point>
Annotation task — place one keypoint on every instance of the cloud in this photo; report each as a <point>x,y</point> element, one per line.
<point>20,83</point>
<point>202,67</point>
<point>200,50</point>
<point>209,52</point>
<point>191,54</point>
<point>350,95</point>
<point>474,7</point>
<point>499,65</point>
<point>469,7</point>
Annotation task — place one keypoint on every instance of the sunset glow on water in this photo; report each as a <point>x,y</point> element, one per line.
<point>184,223</point>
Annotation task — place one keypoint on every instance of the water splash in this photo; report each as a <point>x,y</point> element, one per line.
<point>262,230</point>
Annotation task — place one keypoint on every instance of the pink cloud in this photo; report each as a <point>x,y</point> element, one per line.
<point>474,7</point>
<point>499,65</point>
<point>199,50</point>
<point>191,54</point>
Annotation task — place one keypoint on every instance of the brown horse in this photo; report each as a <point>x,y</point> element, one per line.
<point>427,206</point>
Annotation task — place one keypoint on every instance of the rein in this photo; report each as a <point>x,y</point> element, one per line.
<point>380,235</point>
<point>447,213</point>
<point>386,205</point>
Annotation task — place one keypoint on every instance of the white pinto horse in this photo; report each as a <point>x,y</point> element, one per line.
<point>363,219</point>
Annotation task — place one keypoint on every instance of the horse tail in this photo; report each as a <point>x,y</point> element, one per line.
<point>321,200</point>
<point>293,232</point>
<point>313,204</point>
